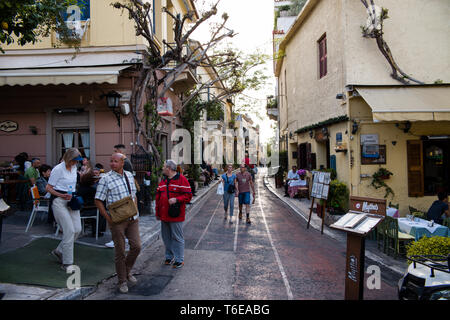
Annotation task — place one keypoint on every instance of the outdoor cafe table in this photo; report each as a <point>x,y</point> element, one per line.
<point>419,228</point>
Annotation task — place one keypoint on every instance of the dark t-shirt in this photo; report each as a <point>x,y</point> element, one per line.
<point>436,210</point>
<point>127,165</point>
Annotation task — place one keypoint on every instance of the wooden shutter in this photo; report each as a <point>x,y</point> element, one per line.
<point>415,168</point>
<point>322,56</point>
<point>308,157</point>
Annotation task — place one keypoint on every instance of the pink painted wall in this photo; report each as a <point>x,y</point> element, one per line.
<point>22,140</point>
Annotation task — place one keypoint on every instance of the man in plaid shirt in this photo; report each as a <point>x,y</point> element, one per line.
<point>113,187</point>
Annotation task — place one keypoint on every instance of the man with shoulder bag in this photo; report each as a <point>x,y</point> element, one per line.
<point>117,187</point>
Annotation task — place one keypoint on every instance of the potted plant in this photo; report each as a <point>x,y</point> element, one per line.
<point>378,181</point>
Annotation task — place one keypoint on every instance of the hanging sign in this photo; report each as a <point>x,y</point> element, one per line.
<point>8,126</point>
<point>164,107</point>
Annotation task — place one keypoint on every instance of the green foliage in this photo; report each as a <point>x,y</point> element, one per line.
<point>284,8</point>
<point>297,6</point>
<point>284,161</point>
<point>214,110</point>
<point>429,246</point>
<point>338,196</point>
<point>26,21</point>
<point>323,123</point>
<point>378,181</point>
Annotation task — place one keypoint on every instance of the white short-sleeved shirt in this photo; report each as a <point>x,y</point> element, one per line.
<point>61,179</point>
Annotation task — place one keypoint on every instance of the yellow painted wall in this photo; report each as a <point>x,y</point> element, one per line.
<point>396,157</point>
<point>110,27</point>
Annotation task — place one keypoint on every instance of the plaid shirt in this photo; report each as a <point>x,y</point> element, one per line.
<point>113,187</point>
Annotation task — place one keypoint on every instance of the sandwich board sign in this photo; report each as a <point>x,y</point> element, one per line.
<point>364,215</point>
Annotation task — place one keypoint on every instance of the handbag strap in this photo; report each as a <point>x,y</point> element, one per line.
<point>128,183</point>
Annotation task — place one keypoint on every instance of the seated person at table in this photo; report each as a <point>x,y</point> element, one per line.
<point>439,208</point>
<point>292,175</point>
<point>42,181</point>
<point>32,173</point>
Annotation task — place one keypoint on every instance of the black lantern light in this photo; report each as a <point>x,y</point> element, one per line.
<point>311,133</point>
<point>112,100</point>
<point>354,127</point>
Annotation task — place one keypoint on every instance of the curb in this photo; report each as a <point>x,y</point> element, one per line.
<point>369,254</point>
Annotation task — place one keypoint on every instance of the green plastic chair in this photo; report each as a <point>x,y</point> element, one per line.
<point>394,238</point>
<point>446,222</point>
<point>381,235</point>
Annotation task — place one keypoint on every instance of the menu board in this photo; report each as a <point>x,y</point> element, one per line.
<point>321,185</point>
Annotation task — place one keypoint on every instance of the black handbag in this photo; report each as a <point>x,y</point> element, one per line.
<point>175,210</point>
<point>76,202</point>
<point>231,187</point>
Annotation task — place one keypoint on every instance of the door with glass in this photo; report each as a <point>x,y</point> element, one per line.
<point>73,138</point>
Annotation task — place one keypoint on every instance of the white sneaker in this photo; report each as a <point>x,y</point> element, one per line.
<point>123,288</point>
<point>111,243</point>
<point>132,280</point>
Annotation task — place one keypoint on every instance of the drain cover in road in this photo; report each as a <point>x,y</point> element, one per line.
<point>152,286</point>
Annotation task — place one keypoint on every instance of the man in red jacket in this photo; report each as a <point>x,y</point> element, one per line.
<point>173,192</point>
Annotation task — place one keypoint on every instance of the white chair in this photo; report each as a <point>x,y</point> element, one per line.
<point>39,205</point>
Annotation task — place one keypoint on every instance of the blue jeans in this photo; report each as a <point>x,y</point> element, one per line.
<point>228,198</point>
<point>172,236</point>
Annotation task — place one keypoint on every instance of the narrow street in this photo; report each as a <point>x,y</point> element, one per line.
<point>274,258</point>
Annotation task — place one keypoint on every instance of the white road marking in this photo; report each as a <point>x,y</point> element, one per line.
<point>277,257</point>
<point>236,231</point>
<point>206,229</point>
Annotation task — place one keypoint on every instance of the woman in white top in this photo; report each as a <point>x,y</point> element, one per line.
<point>62,181</point>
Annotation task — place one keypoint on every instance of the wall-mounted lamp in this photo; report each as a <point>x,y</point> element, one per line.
<point>112,100</point>
<point>354,127</point>
<point>33,130</point>
<point>290,135</point>
<point>311,133</point>
<point>340,96</point>
<point>406,128</point>
<point>325,131</point>
<point>394,143</point>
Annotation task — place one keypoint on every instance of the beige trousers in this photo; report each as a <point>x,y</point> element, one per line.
<point>70,223</point>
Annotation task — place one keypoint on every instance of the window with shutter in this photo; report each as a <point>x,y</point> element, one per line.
<point>415,168</point>
<point>322,56</point>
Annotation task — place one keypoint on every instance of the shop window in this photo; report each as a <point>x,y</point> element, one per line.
<point>428,167</point>
<point>436,166</point>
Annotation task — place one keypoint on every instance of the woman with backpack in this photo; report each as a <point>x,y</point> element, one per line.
<point>229,187</point>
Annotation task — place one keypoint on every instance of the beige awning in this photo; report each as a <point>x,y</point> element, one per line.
<point>408,103</point>
<point>56,76</point>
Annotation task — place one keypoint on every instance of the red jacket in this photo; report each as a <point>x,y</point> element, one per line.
<point>178,187</point>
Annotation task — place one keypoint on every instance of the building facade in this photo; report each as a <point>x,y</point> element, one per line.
<point>58,99</point>
<point>340,108</point>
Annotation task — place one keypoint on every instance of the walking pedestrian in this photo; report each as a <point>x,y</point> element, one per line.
<point>229,189</point>
<point>172,195</point>
<point>244,184</point>
<point>120,148</point>
<point>117,185</point>
<point>61,185</point>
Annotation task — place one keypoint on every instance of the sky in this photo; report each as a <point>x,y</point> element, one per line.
<point>252,20</point>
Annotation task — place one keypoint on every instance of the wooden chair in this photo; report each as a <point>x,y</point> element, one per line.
<point>394,237</point>
<point>417,213</point>
<point>39,205</point>
<point>303,192</point>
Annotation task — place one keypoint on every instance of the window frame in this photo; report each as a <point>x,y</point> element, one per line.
<point>323,56</point>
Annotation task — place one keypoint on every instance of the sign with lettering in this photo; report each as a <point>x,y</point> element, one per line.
<point>8,126</point>
<point>368,205</point>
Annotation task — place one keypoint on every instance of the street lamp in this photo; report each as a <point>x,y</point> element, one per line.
<point>112,100</point>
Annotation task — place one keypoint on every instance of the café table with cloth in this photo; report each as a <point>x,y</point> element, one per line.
<point>419,228</point>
